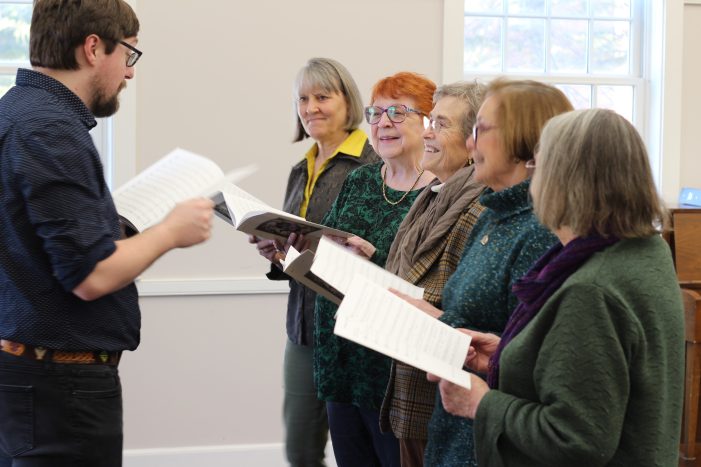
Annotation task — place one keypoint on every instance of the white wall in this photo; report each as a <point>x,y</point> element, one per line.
<point>217,80</point>
<point>691,102</point>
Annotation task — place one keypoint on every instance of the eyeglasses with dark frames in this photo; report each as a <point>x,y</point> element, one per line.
<point>395,113</point>
<point>134,56</point>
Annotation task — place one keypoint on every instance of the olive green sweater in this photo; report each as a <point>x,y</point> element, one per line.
<point>596,379</point>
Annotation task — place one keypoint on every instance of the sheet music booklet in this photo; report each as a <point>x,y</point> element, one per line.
<point>374,317</point>
<point>330,271</point>
<point>147,198</point>
<point>180,175</point>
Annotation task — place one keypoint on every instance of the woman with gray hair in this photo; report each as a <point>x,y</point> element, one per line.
<point>329,110</point>
<point>505,241</point>
<point>428,247</point>
<point>589,370</point>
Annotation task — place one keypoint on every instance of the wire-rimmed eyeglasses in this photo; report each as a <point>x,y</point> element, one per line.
<point>395,113</point>
<point>437,125</point>
<point>134,56</point>
<point>480,128</point>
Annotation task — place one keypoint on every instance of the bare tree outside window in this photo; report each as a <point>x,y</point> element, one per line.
<point>15,18</point>
<point>587,48</point>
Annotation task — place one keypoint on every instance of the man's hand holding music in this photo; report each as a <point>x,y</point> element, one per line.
<point>190,222</point>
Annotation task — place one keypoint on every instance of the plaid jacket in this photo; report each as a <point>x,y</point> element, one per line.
<point>409,398</point>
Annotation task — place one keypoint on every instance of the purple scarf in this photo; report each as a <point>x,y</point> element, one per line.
<point>540,283</point>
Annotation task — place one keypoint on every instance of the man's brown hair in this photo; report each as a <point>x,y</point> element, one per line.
<point>59,26</point>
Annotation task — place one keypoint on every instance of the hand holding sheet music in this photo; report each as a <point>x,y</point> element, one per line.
<point>373,317</point>
<point>180,175</point>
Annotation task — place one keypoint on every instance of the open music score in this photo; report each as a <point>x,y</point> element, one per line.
<point>372,316</point>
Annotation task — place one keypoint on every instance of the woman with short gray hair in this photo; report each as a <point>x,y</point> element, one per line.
<point>428,247</point>
<point>328,109</point>
<point>504,242</point>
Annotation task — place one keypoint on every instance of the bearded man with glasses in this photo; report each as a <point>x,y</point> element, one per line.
<point>69,304</point>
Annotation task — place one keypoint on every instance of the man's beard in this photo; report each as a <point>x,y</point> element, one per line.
<point>103,106</point>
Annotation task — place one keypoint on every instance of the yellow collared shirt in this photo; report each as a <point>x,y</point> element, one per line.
<point>351,146</point>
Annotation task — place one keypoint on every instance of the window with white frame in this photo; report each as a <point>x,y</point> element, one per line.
<point>15,17</point>
<point>591,49</point>
<point>654,57</point>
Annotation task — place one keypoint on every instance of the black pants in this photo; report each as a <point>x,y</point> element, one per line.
<point>59,415</point>
<point>356,437</point>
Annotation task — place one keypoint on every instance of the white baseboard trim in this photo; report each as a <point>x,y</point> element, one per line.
<point>258,455</point>
<point>251,455</point>
<point>219,286</point>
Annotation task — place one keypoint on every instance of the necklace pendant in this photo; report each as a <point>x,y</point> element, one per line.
<point>485,239</point>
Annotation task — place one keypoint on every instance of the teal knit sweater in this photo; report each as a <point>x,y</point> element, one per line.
<point>506,240</point>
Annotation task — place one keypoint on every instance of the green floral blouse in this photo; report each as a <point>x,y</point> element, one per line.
<point>344,371</point>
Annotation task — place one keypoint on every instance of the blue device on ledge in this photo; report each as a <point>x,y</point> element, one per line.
<point>690,196</point>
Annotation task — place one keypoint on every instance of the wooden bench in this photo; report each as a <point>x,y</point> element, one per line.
<point>692,381</point>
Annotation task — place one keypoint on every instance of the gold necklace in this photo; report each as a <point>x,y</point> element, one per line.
<point>384,185</point>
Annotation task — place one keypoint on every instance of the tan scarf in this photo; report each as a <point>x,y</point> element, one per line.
<point>431,218</point>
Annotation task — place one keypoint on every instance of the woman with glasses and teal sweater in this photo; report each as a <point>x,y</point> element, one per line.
<point>373,201</point>
<point>505,241</point>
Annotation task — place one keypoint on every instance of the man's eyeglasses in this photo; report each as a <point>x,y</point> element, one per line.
<point>480,127</point>
<point>134,56</point>
<point>395,113</point>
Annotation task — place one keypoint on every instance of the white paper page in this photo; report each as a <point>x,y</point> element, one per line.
<point>291,255</point>
<point>378,319</point>
<point>239,207</point>
<point>180,175</point>
<point>246,202</point>
<point>337,266</point>
<point>229,179</point>
<point>239,192</point>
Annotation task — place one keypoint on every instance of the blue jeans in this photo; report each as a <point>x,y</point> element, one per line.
<point>306,425</point>
<point>59,415</point>
<point>357,439</point>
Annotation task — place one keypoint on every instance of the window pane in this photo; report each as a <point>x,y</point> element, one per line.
<point>6,82</point>
<point>526,7</point>
<point>610,43</point>
<point>484,6</point>
<point>616,8</point>
<point>525,44</point>
<point>568,46</point>
<point>578,94</point>
<point>617,98</point>
<point>14,31</point>
<point>482,44</point>
<point>572,8</point>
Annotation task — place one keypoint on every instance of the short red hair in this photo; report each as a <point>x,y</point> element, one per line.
<point>407,84</point>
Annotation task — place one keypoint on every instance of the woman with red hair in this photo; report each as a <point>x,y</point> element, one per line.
<point>372,203</point>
